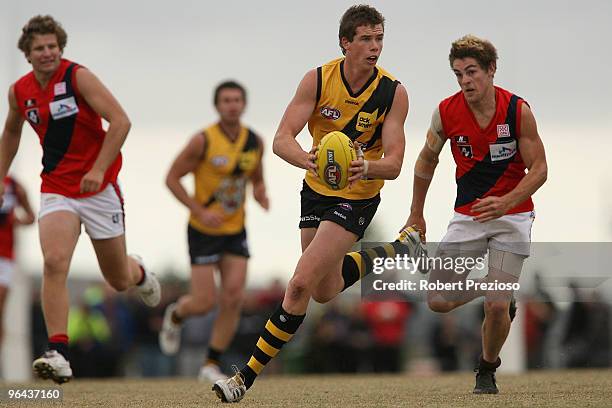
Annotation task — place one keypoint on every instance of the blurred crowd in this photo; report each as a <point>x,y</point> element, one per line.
<point>116,335</point>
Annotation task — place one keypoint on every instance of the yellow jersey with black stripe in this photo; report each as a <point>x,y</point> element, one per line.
<point>359,115</point>
<point>222,176</point>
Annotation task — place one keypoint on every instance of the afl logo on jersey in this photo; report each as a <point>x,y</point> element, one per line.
<point>33,117</point>
<point>330,113</point>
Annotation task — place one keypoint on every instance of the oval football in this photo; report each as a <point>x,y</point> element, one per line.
<point>336,151</point>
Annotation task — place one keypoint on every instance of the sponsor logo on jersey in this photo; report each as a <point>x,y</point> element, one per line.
<point>351,102</point>
<point>330,113</point>
<point>59,88</point>
<point>219,161</point>
<point>502,151</point>
<point>248,160</point>
<point>33,116</point>
<point>361,220</point>
<point>63,108</point>
<point>365,121</point>
<point>461,139</point>
<point>30,102</point>
<point>503,130</point>
<point>466,151</point>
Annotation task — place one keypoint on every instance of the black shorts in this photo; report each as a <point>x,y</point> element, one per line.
<point>207,249</point>
<point>352,215</point>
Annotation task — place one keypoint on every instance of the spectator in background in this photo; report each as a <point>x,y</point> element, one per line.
<point>540,313</point>
<point>14,197</point>
<point>445,340</point>
<point>387,320</point>
<point>90,334</point>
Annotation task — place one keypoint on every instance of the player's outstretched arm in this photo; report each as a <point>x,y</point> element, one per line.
<point>424,169</point>
<point>104,104</point>
<point>11,136</point>
<point>534,157</point>
<point>259,186</point>
<point>295,118</point>
<point>393,141</point>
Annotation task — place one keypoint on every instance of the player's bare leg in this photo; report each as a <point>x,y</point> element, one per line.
<point>200,300</point>
<point>233,276</point>
<point>323,255</point>
<point>119,270</point>
<point>124,271</point>
<point>202,295</point>
<point>446,301</point>
<point>59,232</point>
<point>495,328</point>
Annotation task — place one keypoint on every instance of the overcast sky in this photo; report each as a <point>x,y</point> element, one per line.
<point>163,59</point>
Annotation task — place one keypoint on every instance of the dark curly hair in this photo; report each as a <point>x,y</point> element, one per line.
<point>39,25</point>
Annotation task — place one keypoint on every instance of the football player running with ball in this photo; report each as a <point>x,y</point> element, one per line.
<point>355,96</point>
<point>494,139</point>
<point>65,103</point>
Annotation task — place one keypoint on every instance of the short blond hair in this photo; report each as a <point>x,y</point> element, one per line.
<point>471,46</point>
<point>40,25</point>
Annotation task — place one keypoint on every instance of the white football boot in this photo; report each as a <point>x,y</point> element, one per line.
<point>211,373</point>
<point>170,334</point>
<point>52,366</point>
<point>231,389</point>
<point>411,237</point>
<point>149,290</point>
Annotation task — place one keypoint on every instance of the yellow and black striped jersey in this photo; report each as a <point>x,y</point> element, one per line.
<point>359,115</point>
<point>222,176</point>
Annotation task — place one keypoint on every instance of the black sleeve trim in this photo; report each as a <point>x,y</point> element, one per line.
<point>319,84</point>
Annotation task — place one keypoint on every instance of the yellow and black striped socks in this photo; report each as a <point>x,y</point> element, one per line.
<point>357,265</point>
<point>279,329</point>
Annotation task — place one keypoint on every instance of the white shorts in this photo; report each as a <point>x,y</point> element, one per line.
<point>509,233</point>
<point>7,268</point>
<point>101,214</point>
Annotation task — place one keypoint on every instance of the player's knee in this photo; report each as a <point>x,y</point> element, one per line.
<point>231,299</point>
<point>438,305</point>
<point>496,310</point>
<point>298,288</point>
<point>56,263</point>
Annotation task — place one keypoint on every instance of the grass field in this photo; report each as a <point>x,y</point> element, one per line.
<point>588,388</point>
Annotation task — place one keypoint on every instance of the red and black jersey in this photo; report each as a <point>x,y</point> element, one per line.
<point>488,160</point>
<point>7,219</point>
<point>70,131</point>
